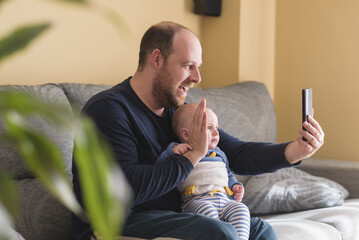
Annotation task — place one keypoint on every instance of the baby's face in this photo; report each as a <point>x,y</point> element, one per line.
<point>212,129</point>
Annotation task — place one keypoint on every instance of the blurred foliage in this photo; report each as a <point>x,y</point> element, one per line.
<point>8,193</point>
<point>8,204</point>
<point>106,193</point>
<point>20,38</point>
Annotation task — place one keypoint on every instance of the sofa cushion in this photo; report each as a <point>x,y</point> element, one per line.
<point>42,217</point>
<point>290,190</point>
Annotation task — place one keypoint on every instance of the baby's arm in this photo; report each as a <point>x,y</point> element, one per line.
<point>238,192</point>
<point>181,148</point>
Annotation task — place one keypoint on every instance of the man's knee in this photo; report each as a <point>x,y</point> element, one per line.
<point>209,228</point>
<point>261,230</point>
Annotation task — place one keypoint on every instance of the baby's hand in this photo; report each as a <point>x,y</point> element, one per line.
<point>181,148</point>
<point>238,192</point>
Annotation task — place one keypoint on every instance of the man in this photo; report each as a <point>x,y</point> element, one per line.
<point>135,116</point>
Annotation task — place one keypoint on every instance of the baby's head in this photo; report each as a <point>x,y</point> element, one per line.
<point>181,123</point>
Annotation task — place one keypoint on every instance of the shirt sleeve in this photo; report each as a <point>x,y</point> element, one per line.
<point>252,158</point>
<point>149,180</point>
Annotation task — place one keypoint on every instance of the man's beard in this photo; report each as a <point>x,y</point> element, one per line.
<point>163,95</point>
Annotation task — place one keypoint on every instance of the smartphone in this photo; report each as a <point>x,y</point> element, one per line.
<point>307,105</point>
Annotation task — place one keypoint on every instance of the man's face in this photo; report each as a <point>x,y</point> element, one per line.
<point>180,72</point>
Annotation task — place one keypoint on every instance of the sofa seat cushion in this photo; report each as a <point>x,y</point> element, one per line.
<point>43,217</point>
<point>291,229</point>
<point>304,230</point>
<point>344,218</point>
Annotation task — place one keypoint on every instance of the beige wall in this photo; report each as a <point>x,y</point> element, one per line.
<point>286,44</point>
<point>257,41</point>
<point>239,45</point>
<point>83,46</point>
<point>220,42</point>
<point>317,46</point>
<point>289,45</point>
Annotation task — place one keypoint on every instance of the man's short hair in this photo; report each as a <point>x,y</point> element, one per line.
<point>159,36</point>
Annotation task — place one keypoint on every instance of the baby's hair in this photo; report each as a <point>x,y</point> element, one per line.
<point>181,118</point>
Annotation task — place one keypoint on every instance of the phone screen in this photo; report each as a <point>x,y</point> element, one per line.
<point>307,105</point>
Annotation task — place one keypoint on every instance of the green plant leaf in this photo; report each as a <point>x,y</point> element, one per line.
<point>110,15</point>
<point>106,192</point>
<point>103,183</point>
<point>8,193</point>
<point>42,158</point>
<point>28,105</point>
<point>20,38</point>
<point>8,206</point>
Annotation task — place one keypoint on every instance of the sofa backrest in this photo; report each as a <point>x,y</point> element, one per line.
<point>78,94</point>
<point>245,110</point>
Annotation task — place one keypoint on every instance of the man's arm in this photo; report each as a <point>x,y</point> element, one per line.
<point>248,158</point>
<point>251,158</point>
<point>149,179</point>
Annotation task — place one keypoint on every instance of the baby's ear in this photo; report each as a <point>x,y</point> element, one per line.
<point>184,134</point>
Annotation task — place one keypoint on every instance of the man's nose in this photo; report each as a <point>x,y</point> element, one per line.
<point>196,75</point>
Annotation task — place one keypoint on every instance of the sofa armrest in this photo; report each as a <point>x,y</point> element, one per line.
<point>340,171</point>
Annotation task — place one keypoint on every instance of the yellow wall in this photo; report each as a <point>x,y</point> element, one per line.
<point>289,45</point>
<point>220,42</point>
<point>317,46</point>
<point>286,44</point>
<point>257,41</point>
<point>83,46</point>
<point>239,45</point>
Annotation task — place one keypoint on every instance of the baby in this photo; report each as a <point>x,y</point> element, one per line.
<point>211,187</point>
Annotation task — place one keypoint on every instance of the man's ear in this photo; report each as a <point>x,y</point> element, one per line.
<point>156,59</point>
<point>184,132</point>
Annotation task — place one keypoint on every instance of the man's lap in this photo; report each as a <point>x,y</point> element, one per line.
<point>154,224</point>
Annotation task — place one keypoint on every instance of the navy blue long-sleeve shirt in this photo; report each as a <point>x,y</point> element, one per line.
<point>138,137</point>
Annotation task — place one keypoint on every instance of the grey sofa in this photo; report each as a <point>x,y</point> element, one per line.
<point>246,111</point>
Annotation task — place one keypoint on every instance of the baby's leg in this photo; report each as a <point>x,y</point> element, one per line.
<point>237,214</point>
<point>203,207</point>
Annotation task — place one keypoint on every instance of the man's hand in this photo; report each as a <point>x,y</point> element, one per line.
<point>238,192</point>
<point>181,148</point>
<point>197,138</point>
<point>299,150</point>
